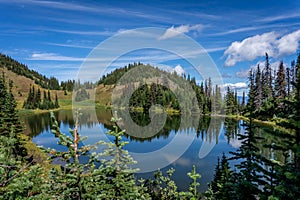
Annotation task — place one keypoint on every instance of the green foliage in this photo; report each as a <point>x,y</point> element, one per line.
<point>118,181</point>
<point>72,180</point>
<point>34,100</point>
<point>163,187</point>
<point>194,185</point>
<point>231,102</point>
<point>19,178</point>
<point>145,95</point>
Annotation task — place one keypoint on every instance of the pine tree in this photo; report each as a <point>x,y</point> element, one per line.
<point>231,102</point>
<point>243,103</point>
<point>38,97</point>
<point>248,176</point>
<point>287,185</point>
<point>280,88</point>
<point>56,101</point>
<point>251,94</point>
<point>267,80</point>
<point>288,82</point>
<point>258,89</point>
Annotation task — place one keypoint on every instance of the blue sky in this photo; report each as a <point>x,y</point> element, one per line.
<point>54,37</point>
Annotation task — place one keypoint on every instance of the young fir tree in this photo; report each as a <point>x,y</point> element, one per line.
<point>115,174</point>
<point>73,180</point>
<point>193,189</point>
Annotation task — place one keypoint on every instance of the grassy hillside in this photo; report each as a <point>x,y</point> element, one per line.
<point>22,84</point>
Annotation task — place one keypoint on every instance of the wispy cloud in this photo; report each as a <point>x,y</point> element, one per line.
<point>253,28</point>
<point>256,46</point>
<point>77,32</point>
<point>53,57</point>
<point>240,30</point>
<point>100,9</point>
<point>175,31</point>
<point>280,17</point>
<point>70,45</point>
<point>57,5</point>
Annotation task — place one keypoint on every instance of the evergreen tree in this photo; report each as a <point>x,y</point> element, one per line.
<point>38,97</point>
<point>280,88</point>
<point>258,89</point>
<point>243,103</point>
<point>267,80</point>
<point>18,178</point>
<point>73,180</point>
<point>117,181</point>
<point>231,102</point>
<point>287,177</point>
<point>56,104</point>
<point>251,94</point>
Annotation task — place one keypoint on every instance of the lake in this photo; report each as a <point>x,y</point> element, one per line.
<point>198,141</point>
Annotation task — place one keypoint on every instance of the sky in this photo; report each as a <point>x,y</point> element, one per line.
<point>54,37</point>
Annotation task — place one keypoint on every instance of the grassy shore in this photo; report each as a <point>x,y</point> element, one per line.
<point>273,123</point>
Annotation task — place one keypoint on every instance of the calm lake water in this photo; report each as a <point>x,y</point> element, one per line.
<point>215,135</point>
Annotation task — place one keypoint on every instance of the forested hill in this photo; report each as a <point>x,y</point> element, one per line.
<point>112,77</point>
<point>10,64</point>
<point>154,87</point>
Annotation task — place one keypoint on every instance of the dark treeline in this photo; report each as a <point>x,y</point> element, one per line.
<point>36,100</point>
<point>259,175</point>
<point>271,90</point>
<point>114,76</point>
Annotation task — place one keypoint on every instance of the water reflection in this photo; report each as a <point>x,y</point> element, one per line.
<point>210,137</point>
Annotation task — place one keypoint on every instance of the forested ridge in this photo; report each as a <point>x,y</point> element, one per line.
<point>154,88</point>
<point>23,70</point>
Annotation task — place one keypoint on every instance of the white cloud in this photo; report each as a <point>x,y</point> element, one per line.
<point>289,44</point>
<point>174,31</point>
<point>179,70</point>
<point>256,46</point>
<point>235,86</point>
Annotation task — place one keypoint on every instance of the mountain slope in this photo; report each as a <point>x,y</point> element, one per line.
<point>18,68</point>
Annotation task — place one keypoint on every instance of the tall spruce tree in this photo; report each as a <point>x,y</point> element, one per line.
<point>267,80</point>
<point>251,94</point>
<point>280,89</point>
<point>258,89</point>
